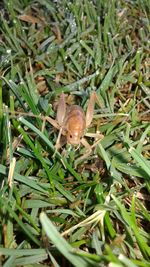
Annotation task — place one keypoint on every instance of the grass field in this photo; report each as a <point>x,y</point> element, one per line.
<point>56,210</point>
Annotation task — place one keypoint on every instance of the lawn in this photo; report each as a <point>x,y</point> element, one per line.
<point>58,208</point>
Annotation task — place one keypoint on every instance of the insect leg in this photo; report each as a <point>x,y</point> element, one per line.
<point>90,109</point>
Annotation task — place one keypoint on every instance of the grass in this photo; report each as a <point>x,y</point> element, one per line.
<point>54,212</point>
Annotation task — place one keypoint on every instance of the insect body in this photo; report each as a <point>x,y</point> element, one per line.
<point>72,122</point>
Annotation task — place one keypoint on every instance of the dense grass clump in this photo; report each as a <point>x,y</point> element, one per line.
<point>57,210</point>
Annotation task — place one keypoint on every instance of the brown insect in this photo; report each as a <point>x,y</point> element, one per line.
<point>72,123</point>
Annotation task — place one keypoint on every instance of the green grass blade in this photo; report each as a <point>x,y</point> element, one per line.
<point>61,244</point>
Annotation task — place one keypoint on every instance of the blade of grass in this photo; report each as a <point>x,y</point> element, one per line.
<point>132,223</point>
<point>22,225</point>
<point>38,154</point>
<point>61,244</point>
<point>145,165</point>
